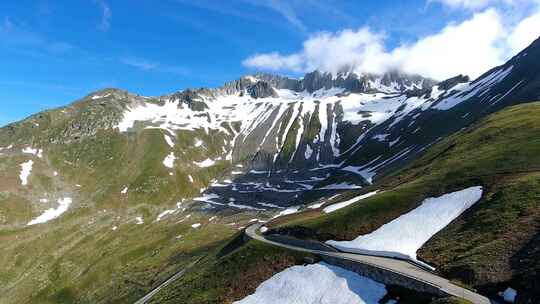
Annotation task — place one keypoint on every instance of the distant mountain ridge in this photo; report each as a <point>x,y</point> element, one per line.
<point>281,136</point>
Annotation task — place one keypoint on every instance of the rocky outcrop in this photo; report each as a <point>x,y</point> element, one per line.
<point>452,82</point>
<point>262,89</point>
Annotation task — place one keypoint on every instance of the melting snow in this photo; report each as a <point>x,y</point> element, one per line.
<point>403,236</point>
<point>26,170</point>
<point>340,186</point>
<point>36,152</point>
<point>196,225</point>
<point>164,214</point>
<point>52,213</point>
<point>308,152</point>
<point>205,163</point>
<point>239,206</point>
<point>465,91</point>
<point>139,220</point>
<point>169,140</point>
<point>169,160</point>
<point>288,211</point>
<point>100,96</point>
<point>317,283</point>
<point>198,142</point>
<point>207,198</point>
<point>346,203</point>
<point>224,110</point>
<point>380,137</point>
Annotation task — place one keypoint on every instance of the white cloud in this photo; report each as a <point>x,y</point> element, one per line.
<point>525,33</point>
<point>331,52</point>
<point>139,63</point>
<point>275,62</point>
<point>471,47</point>
<point>106,15</point>
<point>148,65</point>
<point>15,35</point>
<point>469,4</point>
<point>481,4</point>
<point>283,8</point>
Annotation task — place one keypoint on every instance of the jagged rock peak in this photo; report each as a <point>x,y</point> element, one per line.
<point>451,82</point>
<point>365,83</point>
<point>262,89</point>
<point>390,82</point>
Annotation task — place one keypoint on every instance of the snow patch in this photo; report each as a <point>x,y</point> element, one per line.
<point>26,170</point>
<point>52,213</point>
<point>169,160</point>
<point>205,163</point>
<point>340,186</point>
<point>346,203</point>
<point>403,236</point>
<point>317,283</point>
<point>169,140</point>
<point>287,211</point>
<point>308,152</point>
<point>164,214</point>
<point>196,225</point>
<point>36,152</point>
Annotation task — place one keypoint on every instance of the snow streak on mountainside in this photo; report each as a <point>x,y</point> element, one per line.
<point>290,135</point>
<point>264,141</point>
<point>286,135</point>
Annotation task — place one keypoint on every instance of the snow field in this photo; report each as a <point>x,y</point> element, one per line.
<point>403,236</point>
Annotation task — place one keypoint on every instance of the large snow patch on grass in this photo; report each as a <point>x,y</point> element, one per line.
<point>52,213</point>
<point>403,236</point>
<point>346,203</point>
<point>317,283</point>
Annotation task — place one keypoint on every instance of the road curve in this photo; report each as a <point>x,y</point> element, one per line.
<point>401,267</point>
<point>173,278</point>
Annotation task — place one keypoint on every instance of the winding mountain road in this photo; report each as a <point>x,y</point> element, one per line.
<point>173,278</point>
<point>399,267</point>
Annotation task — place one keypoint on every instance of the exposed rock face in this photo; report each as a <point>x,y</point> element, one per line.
<point>191,98</point>
<point>316,80</point>
<point>262,89</point>
<point>451,82</point>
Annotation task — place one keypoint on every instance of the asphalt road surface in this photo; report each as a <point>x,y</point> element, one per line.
<point>401,267</point>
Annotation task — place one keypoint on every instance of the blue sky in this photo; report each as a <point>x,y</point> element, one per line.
<point>55,51</point>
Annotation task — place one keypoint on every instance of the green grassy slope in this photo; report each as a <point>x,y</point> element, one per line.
<point>78,257</point>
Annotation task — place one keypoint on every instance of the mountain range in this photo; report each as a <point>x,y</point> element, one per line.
<point>116,190</point>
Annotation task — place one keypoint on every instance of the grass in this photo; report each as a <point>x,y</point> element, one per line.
<point>231,277</point>
<point>74,261</point>
<point>78,258</point>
